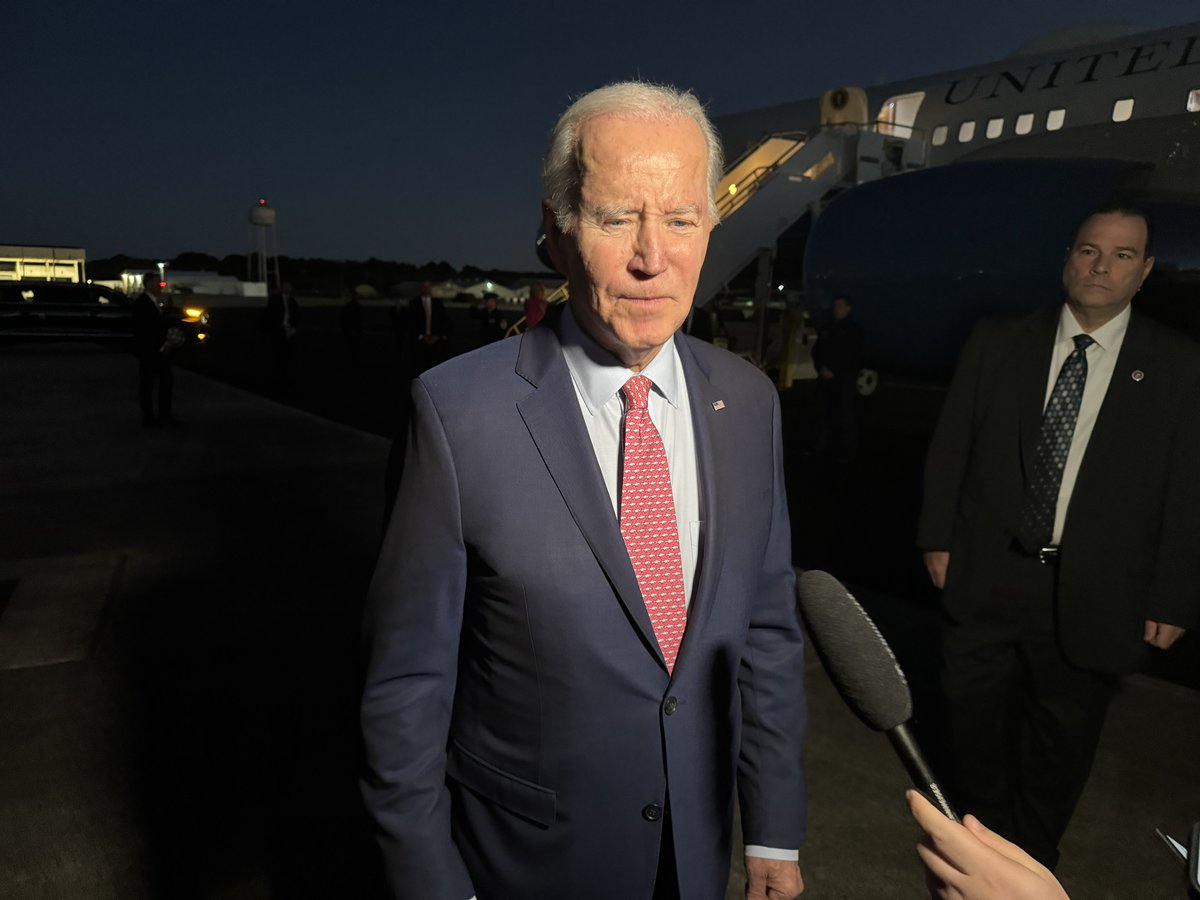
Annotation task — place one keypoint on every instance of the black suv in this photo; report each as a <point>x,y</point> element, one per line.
<point>56,309</point>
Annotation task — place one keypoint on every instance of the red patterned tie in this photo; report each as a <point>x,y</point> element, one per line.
<point>648,522</point>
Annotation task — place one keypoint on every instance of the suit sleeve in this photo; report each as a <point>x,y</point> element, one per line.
<point>414,619</point>
<point>1174,596</point>
<point>950,449</point>
<point>771,682</point>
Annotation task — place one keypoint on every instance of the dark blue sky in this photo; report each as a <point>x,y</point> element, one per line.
<point>405,131</point>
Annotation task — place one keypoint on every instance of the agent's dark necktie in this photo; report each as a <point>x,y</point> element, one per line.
<point>1054,443</point>
<point>648,523</point>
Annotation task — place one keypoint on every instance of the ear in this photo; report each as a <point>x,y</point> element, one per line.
<point>1147,266</point>
<point>555,240</point>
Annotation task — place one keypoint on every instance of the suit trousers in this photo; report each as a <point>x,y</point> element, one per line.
<point>666,880</point>
<point>1023,723</point>
<point>151,367</point>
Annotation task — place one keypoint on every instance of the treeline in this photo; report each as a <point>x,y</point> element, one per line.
<point>314,276</point>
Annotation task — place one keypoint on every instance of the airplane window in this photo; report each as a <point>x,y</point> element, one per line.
<point>939,133</point>
<point>1024,123</point>
<point>1055,119</point>
<point>1194,100</point>
<point>966,132</point>
<point>995,128</point>
<point>1123,110</point>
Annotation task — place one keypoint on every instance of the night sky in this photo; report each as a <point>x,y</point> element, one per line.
<point>407,131</point>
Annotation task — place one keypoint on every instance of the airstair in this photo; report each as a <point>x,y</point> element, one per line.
<point>774,184</point>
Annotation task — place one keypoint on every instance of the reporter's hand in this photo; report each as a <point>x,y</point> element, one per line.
<point>773,879</point>
<point>971,862</point>
<point>936,564</point>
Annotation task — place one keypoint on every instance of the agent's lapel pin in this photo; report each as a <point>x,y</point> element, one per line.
<point>718,405</point>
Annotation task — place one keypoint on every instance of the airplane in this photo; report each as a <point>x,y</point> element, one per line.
<point>959,196</point>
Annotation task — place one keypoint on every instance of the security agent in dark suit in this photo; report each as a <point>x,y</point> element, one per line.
<point>153,351</point>
<point>1057,580</point>
<point>534,728</point>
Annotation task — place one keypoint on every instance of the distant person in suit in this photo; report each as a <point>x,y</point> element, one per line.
<point>535,305</point>
<point>838,356</point>
<point>429,330</point>
<point>281,322</point>
<point>492,321</point>
<point>1061,522</point>
<point>152,346</point>
<point>573,722</point>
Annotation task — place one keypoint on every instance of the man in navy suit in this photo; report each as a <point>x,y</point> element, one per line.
<point>534,727</point>
<point>1042,612</point>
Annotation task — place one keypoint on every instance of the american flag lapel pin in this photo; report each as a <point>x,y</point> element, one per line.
<point>718,405</point>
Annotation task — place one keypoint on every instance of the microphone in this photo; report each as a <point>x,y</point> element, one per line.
<point>865,672</point>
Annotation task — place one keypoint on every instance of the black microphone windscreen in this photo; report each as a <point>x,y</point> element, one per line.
<point>859,661</point>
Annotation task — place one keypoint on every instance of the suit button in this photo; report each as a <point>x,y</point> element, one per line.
<point>670,706</point>
<point>651,812</point>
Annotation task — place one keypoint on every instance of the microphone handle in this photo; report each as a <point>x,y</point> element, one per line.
<point>918,769</point>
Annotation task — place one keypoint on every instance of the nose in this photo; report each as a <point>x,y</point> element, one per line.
<point>1099,264</point>
<point>649,254</point>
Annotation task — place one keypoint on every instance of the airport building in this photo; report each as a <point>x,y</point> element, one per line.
<point>35,263</point>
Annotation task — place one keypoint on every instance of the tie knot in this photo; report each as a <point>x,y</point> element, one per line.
<point>636,390</point>
<point>1083,341</point>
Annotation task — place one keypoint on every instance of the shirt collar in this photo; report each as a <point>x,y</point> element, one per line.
<point>1107,336</point>
<point>598,375</point>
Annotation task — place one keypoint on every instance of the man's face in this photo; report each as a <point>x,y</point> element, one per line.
<point>634,257</point>
<point>841,308</point>
<point>426,290</point>
<point>1105,266</point>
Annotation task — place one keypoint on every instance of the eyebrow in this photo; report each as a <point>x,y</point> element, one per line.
<point>1097,247</point>
<point>615,211</point>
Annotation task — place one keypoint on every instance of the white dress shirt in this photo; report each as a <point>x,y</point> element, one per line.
<point>598,378</point>
<point>1102,361</point>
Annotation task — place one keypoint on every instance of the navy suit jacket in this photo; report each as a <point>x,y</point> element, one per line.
<point>1131,539</point>
<point>521,727</point>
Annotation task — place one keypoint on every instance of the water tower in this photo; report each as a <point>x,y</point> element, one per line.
<point>266,245</point>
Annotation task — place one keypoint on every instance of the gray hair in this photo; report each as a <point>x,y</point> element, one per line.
<point>635,99</point>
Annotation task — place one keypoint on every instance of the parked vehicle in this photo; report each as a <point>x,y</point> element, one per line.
<point>65,311</point>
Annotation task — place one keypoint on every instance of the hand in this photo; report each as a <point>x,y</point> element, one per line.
<point>936,564</point>
<point>1160,635</point>
<point>970,862</point>
<point>431,339</point>
<point>826,372</point>
<point>773,879</point>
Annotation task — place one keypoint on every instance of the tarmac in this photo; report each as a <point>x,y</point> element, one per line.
<point>179,667</point>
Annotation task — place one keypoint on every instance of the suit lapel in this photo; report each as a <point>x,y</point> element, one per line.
<point>711,452</point>
<point>1119,408</point>
<point>551,413</point>
<point>1033,373</point>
